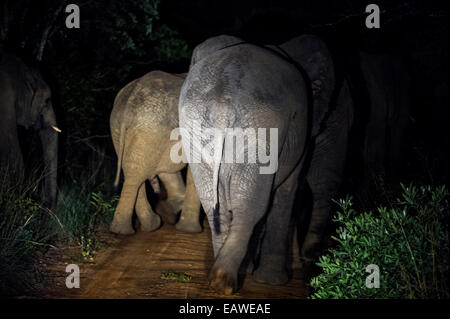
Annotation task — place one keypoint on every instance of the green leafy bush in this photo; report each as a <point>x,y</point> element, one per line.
<point>408,242</point>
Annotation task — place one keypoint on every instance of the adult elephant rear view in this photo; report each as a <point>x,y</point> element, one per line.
<point>25,100</point>
<point>233,86</point>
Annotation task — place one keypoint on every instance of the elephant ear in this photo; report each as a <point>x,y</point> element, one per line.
<point>41,96</point>
<point>313,55</point>
<point>212,45</point>
<point>25,85</point>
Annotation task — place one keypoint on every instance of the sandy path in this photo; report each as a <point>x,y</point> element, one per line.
<point>132,267</point>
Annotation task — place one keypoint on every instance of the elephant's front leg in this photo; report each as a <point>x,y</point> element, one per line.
<point>148,219</point>
<point>274,247</point>
<point>189,220</point>
<point>121,223</point>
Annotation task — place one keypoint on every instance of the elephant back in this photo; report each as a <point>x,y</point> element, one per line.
<point>212,45</point>
<point>149,101</point>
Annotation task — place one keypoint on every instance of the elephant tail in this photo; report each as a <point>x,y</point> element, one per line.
<point>218,151</point>
<point>120,154</point>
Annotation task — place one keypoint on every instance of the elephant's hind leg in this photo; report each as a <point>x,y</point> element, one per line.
<point>274,247</point>
<point>231,241</point>
<point>121,223</point>
<point>190,215</point>
<point>148,219</point>
<point>324,178</point>
<point>314,242</point>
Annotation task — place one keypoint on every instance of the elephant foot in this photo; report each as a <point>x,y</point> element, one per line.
<point>150,224</point>
<point>121,228</point>
<point>223,281</point>
<point>166,211</point>
<point>188,226</point>
<point>270,275</point>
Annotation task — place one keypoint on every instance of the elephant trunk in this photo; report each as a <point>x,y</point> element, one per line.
<point>49,139</point>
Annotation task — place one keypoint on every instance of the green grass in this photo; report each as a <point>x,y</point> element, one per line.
<point>25,230</point>
<point>178,276</point>
<point>81,213</point>
<point>28,230</point>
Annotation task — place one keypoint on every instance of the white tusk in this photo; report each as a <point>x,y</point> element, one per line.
<point>56,129</point>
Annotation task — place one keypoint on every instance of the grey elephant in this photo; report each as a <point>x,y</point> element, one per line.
<point>235,85</point>
<point>25,100</point>
<point>145,113</point>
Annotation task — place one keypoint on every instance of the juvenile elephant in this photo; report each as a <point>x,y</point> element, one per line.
<point>25,100</point>
<point>235,85</point>
<point>144,114</point>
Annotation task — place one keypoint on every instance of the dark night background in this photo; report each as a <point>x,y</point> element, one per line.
<point>121,40</point>
<point>118,42</point>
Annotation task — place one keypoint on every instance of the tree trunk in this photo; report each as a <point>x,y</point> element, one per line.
<point>47,29</point>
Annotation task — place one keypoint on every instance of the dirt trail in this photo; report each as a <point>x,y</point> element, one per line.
<point>132,267</point>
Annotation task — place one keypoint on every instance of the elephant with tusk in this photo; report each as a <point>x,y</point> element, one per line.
<point>144,115</point>
<point>233,85</point>
<point>25,100</point>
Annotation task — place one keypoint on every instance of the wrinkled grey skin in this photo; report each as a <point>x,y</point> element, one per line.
<point>25,100</point>
<point>246,86</point>
<point>144,114</point>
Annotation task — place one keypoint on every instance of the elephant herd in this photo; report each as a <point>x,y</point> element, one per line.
<point>232,85</point>
<point>292,90</point>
